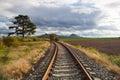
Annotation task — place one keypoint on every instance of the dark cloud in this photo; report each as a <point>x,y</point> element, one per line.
<point>63,17</point>
<point>3,19</point>
<point>60,17</point>
<point>3,31</point>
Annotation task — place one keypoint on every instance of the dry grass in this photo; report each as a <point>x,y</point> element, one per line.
<point>15,69</point>
<point>22,59</point>
<point>99,59</point>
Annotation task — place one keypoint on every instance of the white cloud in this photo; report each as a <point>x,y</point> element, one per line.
<point>21,5</point>
<point>57,3</point>
<point>82,33</point>
<point>83,17</point>
<point>110,9</point>
<point>3,25</point>
<point>83,9</point>
<point>6,5</point>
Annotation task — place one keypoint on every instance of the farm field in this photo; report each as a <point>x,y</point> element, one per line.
<point>82,38</point>
<point>111,47</point>
<point>104,52</point>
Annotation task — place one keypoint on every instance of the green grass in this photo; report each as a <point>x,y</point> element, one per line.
<point>2,78</point>
<point>3,57</point>
<point>115,60</point>
<point>112,58</point>
<point>67,38</point>
<point>4,60</point>
<point>3,52</point>
<point>8,54</point>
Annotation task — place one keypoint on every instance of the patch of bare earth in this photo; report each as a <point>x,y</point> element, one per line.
<point>111,47</point>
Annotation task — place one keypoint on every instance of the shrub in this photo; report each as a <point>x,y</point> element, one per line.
<point>10,41</point>
<point>27,39</point>
<point>1,45</point>
<point>53,37</point>
<point>19,38</point>
<point>36,39</point>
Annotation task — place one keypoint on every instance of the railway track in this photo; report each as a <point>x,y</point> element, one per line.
<point>65,65</point>
<point>62,62</point>
<point>38,70</point>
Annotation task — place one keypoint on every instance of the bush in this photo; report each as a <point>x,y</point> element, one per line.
<point>1,45</point>
<point>53,37</point>
<point>27,39</point>
<point>36,39</point>
<point>20,38</point>
<point>10,41</point>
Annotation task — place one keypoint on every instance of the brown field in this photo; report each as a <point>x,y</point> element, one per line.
<point>111,47</point>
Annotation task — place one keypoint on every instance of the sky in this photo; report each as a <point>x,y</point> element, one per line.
<point>86,18</point>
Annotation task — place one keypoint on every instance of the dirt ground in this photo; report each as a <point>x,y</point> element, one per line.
<point>111,47</point>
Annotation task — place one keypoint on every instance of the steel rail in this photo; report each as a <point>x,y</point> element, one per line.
<point>46,75</point>
<point>88,76</point>
<point>75,57</point>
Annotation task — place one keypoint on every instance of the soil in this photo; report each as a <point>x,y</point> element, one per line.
<point>111,47</point>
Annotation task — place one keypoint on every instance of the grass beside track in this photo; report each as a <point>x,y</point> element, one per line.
<point>110,62</point>
<point>15,61</point>
<point>107,48</point>
<point>112,58</point>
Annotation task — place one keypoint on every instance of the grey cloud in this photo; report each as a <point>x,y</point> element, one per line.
<point>114,5</point>
<point>3,31</point>
<point>59,17</point>
<point>3,19</point>
<point>61,20</point>
<point>63,17</point>
<point>107,28</point>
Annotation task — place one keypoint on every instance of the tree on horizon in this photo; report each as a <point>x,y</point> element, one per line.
<point>22,26</point>
<point>53,37</point>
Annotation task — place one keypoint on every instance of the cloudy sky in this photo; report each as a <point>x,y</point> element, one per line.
<point>88,18</point>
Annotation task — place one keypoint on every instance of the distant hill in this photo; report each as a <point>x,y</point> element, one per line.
<point>74,36</point>
<point>60,36</point>
<point>44,36</point>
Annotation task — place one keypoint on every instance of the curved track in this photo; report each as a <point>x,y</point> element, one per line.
<point>65,65</point>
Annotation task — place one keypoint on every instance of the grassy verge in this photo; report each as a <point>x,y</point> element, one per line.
<point>112,58</point>
<point>112,63</point>
<point>14,61</point>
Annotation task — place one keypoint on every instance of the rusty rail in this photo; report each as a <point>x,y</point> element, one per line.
<point>46,75</point>
<point>88,76</point>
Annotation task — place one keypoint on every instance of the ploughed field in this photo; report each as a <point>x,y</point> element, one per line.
<point>111,47</point>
